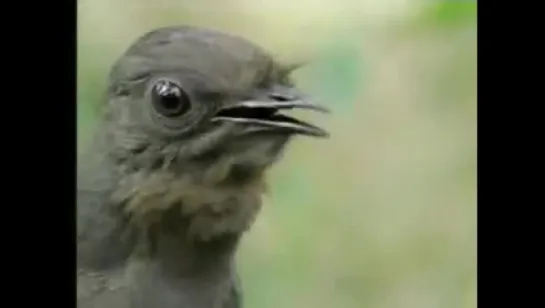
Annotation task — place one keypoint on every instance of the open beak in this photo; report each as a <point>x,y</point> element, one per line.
<point>266,114</point>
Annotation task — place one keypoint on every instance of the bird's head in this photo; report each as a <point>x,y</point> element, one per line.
<point>200,105</point>
<point>201,95</point>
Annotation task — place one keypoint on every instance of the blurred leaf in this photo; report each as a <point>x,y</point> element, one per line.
<point>450,13</point>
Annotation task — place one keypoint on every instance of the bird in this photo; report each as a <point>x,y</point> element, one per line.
<point>174,173</point>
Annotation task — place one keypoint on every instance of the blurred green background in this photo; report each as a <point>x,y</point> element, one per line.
<point>383,214</point>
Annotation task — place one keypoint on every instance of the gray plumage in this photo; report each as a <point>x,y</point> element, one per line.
<point>174,174</point>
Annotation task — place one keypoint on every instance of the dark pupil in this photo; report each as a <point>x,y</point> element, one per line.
<point>170,101</point>
<point>169,98</point>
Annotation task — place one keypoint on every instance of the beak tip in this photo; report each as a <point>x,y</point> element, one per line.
<point>325,109</point>
<point>324,134</point>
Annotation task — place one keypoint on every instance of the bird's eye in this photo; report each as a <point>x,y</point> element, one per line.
<point>169,99</point>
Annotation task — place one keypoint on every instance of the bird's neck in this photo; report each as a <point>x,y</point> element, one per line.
<point>180,217</point>
<point>180,273</point>
<point>179,255</point>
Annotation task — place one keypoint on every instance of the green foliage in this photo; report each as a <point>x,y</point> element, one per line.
<point>450,13</point>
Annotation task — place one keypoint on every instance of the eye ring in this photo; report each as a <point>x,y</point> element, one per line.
<point>169,99</point>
